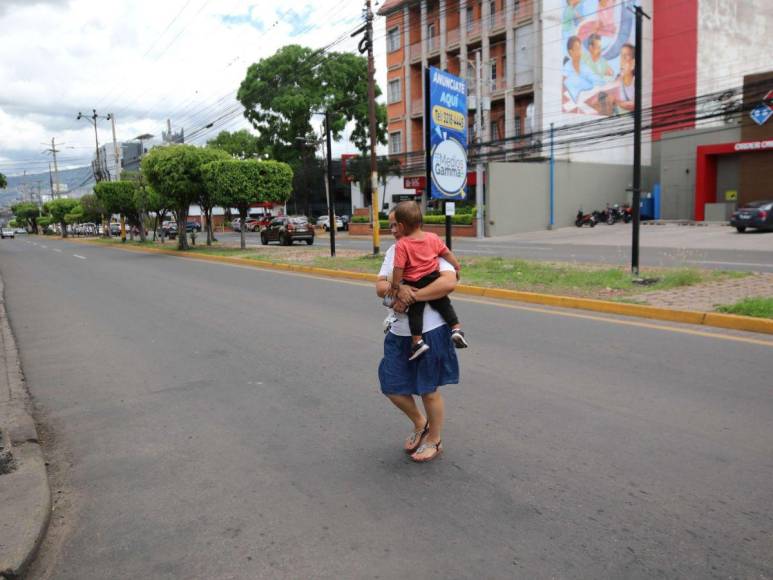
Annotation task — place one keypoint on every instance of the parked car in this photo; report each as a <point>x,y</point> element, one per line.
<point>323,221</point>
<point>169,229</point>
<point>20,231</point>
<point>288,229</point>
<point>755,214</point>
<point>250,225</point>
<point>115,229</point>
<point>7,233</point>
<point>192,226</point>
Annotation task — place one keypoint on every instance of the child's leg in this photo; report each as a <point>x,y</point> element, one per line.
<point>416,320</point>
<point>446,311</point>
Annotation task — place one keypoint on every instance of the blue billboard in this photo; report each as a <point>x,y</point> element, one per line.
<point>447,135</point>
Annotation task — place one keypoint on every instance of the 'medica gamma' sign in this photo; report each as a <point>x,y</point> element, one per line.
<point>448,135</point>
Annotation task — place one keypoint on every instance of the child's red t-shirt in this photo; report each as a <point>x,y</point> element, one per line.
<point>418,257</point>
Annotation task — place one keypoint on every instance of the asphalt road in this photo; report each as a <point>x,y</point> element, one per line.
<point>214,421</point>
<point>713,248</point>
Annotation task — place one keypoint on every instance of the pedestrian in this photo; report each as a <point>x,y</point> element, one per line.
<point>401,379</point>
<point>416,264</point>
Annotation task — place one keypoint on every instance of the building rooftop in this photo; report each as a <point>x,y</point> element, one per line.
<point>392,5</point>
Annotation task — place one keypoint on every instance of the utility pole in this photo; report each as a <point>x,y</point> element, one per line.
<point>329,187</point>
<point>366,44</point>
<point>116,151</point>
<point>552,179</point>
<point>639,68</point>
<point>117,174</point>
<point>55,179</point>
<point>479,139</point>
<point>98,175</point>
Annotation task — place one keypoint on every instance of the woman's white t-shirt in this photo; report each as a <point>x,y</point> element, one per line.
<point>431,318</point>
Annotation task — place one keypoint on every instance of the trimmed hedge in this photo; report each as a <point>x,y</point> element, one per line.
<point>459,219</point>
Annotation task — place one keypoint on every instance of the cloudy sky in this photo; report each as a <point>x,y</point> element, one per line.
<point>143,61</point>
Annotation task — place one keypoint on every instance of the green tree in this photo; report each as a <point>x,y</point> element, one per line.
<point>27,213</point>
<point>93,210</point>
<point>240,144</point>
<point>175,172</point>
<point>3,181</point>
<point>118,197</point>
<point>359,167</point>
<point>44,221</point>
<point>157,204</point>
<point>240,183</point>
<point>281,93</point>
<point>58,210</point>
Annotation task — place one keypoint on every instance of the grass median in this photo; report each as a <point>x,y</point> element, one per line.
<point>758,306</point>
<point>569,279</point>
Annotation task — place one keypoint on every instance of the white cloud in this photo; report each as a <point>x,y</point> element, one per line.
<point>144,61</point>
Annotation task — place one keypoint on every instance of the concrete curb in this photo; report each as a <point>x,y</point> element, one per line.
<point>714,319</point>
<point>25,496</point>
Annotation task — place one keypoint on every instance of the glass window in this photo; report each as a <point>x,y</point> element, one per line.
<point>395,142</point>
<point>431,42</point>
<point>494,131</point>
<point>393,40</point>
<point>469,18</point>
<point>394,94</point>
<point>517,125</point>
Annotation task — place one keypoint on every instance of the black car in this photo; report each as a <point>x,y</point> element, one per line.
<point>755,214</point>
<point>288,229</point>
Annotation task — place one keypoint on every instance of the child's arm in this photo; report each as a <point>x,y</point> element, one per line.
<point>397,276</point>
<point>449,257</point>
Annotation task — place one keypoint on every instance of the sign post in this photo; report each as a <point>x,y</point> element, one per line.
<point>445,140</point>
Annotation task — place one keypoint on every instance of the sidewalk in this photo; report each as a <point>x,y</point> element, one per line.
<point>25,497</point>
<point>705,297</point>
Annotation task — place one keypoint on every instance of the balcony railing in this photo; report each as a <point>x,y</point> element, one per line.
<point>452,37</point>
<point>473,28</point>
<point>497,20</point>
<point>416,51</point>
<point>498,84</point>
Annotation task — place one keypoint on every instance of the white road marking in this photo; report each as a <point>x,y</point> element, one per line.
<point>57,250</point>
<point>79,256</point>
<point>44,247</point>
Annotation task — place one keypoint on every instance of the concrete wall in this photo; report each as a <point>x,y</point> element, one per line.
<point>677,167</point>
<point>519,193</point>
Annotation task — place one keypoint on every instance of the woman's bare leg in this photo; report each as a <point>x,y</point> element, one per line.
<point>435,408</point>
<point>407,404</point>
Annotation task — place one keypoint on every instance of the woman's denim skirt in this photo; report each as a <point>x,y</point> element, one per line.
<point>436,367</point>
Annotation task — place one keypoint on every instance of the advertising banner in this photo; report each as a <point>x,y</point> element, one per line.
<point>448,135</point>
<point>599,70</point>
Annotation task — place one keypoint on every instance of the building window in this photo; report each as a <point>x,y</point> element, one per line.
<point>394,93</point>
<point>393,40</point>
<point>431,36</point>
<point>493,65</point>
<point>395,143</point>
<point>469,18</point>
<point>494,136</point>
<point>516,6</point>
<point>493,14</point>
<point>517,131</point>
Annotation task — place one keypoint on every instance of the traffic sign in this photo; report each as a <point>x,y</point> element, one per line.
<point>760,114</point>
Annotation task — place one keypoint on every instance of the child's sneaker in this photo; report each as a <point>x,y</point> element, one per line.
<point>418,349</point>
<point>458,337</point>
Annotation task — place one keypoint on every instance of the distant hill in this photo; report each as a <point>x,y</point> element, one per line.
<point>79,181</point>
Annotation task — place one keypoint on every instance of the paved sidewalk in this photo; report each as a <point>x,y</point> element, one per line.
<point>25,497</point>
<point>705,297</point>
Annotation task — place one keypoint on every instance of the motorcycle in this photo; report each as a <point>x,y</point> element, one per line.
<point>585,219</point>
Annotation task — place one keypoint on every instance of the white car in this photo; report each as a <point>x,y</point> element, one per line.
<point>323,221</point>
<point>7,233</point>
